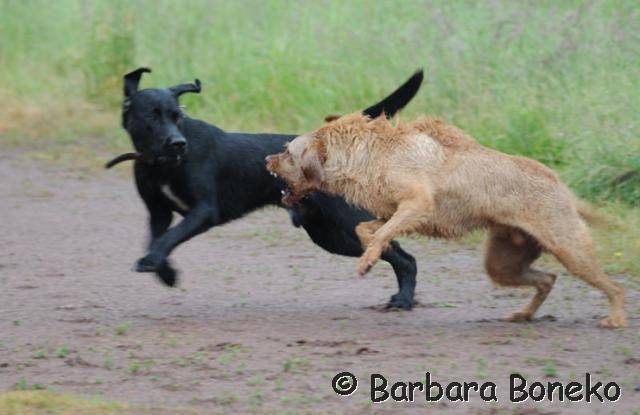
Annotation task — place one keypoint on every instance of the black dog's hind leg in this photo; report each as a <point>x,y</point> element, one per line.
<point>334,231</point>
<point>404,266</point>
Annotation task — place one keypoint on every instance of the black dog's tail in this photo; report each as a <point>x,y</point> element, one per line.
<point>398,98</point>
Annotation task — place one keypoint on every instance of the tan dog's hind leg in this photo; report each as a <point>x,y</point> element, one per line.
<point>509,255</point>
<point>568,240</point>
<point>579,259</point>
<point>412,211</point>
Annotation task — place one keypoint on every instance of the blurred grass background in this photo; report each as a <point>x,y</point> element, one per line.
<point>554,80</point>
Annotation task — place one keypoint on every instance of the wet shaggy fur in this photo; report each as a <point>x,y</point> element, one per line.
<point>430,178</point>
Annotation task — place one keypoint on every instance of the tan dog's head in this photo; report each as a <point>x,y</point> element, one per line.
<point>300,165</point>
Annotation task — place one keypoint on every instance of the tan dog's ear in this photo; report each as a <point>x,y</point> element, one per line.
<point>332,117</point>
<point>311,164</point>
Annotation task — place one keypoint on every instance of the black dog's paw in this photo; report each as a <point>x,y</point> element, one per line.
<point>399,302</point>
<point>163,269</point>
<point>148,264</point>
<point>167,274</point>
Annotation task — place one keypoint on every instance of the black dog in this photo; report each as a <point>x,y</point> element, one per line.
<point>210,177</point>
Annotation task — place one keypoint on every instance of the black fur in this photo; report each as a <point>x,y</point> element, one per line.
<point>221,176</point>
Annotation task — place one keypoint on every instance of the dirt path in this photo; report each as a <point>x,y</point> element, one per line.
<point>263,319</point>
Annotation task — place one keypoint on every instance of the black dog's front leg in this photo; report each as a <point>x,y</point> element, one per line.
<point>160,217</point>
<point>199,219</point>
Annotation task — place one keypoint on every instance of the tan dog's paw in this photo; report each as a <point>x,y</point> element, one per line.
<point>613,322</point>
<point>369,259</point>
<point>364,266</point>
<point>518,317</point>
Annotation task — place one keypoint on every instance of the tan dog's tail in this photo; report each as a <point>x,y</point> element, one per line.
<point>591,216</point>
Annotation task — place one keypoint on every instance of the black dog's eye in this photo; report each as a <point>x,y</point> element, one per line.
<point>156,114</point>
<point>176,116</point>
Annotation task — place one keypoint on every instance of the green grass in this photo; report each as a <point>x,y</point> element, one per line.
<point>618,247</point>
<point>45,402</point>
<point>122,329</point>
<point>62,351</point>
<point>556,81</point>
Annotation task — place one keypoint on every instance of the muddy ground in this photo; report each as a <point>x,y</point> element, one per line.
<point>263,319</point>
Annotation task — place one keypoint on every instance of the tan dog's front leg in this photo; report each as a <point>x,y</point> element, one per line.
<point>366,230</point>
<point>409,215</point>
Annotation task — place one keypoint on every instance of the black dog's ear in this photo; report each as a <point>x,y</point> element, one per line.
<point>183,88</point>
<point>398,98</point>
<point>131,81</point>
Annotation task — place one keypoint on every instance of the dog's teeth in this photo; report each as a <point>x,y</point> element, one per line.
<point>282,192</point>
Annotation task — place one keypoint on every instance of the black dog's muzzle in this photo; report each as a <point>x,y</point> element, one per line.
<point>177,145</point>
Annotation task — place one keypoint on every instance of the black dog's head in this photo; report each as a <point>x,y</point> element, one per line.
<point>152,118</point>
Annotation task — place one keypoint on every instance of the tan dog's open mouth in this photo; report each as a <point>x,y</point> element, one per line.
<point>289,195</point>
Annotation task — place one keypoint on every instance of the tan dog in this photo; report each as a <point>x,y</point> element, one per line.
<point>430,178</point>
